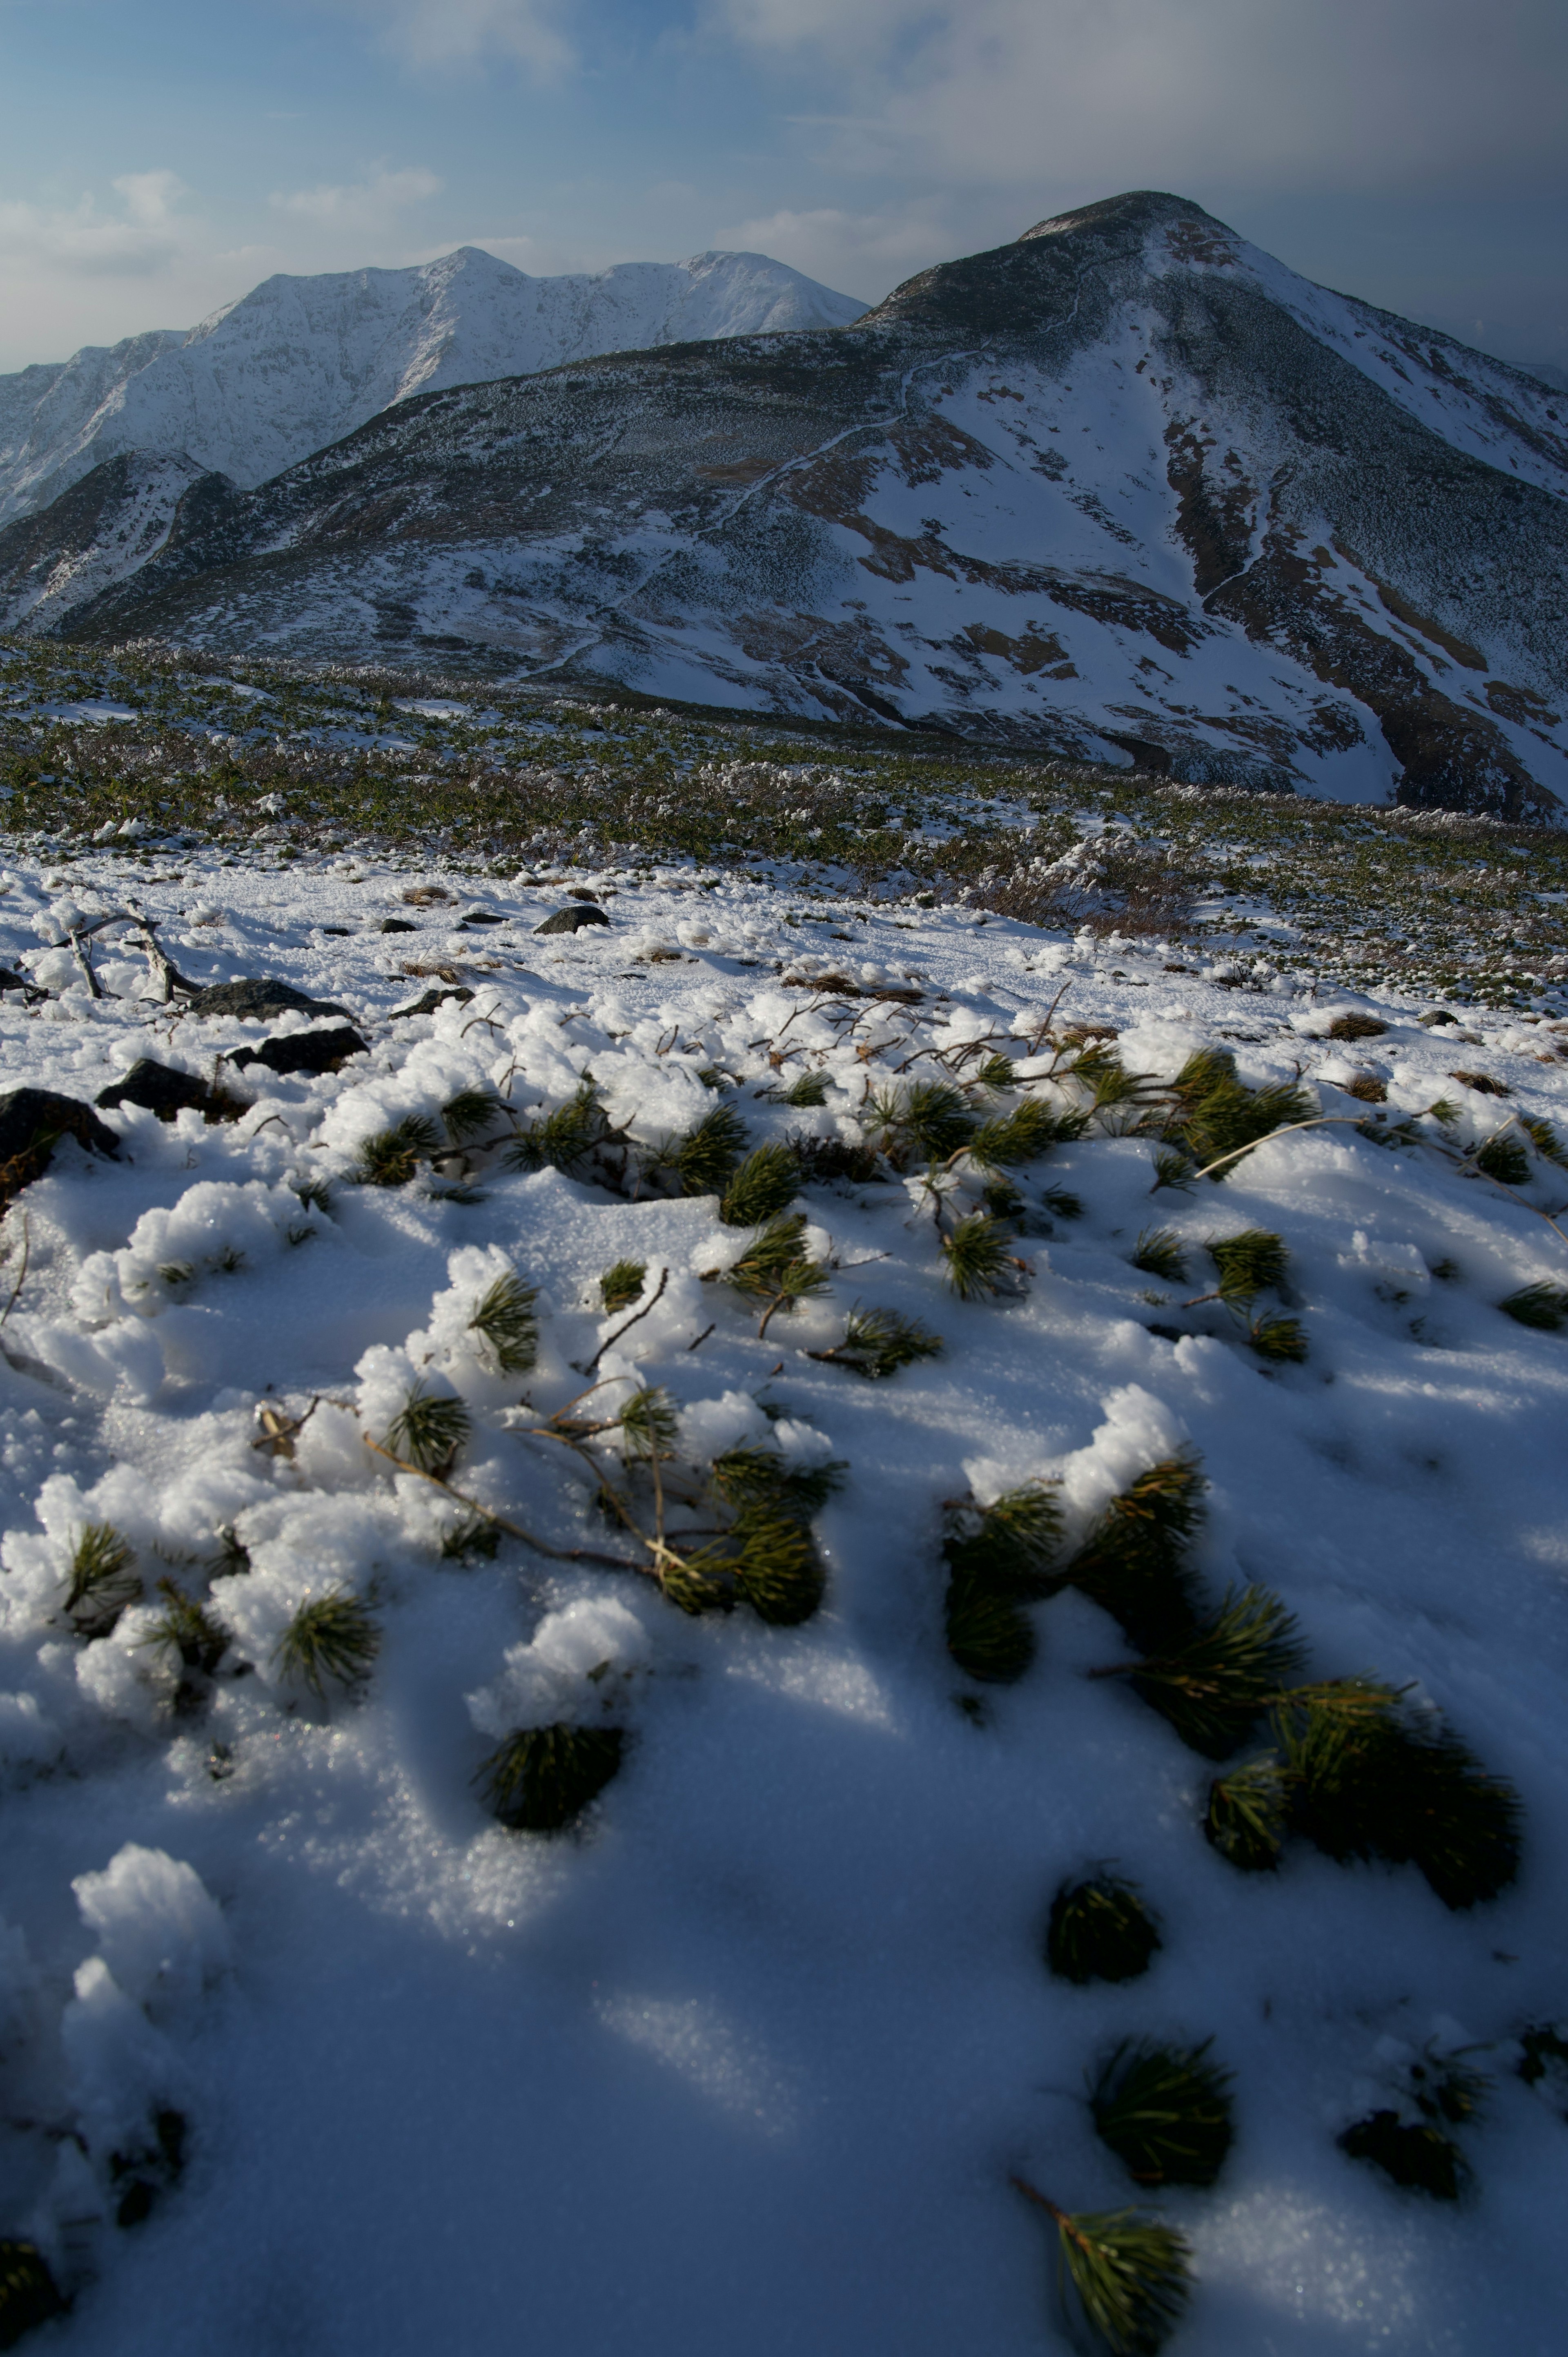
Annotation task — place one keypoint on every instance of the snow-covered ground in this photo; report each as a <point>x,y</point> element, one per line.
<point>749,2057</point>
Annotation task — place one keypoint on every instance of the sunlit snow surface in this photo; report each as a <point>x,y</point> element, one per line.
<point>748,2061</point>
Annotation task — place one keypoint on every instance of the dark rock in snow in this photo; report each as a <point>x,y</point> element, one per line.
<point>306,1051</point>
<point>162,1090</point>
<point>396,925</point>
<point>433,999</point>
<point>478,917</point>
<point>258,998</point>
<point>31,1121</point>
<point>569,921</point>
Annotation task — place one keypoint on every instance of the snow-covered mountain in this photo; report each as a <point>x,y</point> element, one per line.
<point>298,362</point>
<point>1125,489</point>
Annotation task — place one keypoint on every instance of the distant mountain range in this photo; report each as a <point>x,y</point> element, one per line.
<point>299,362</point>
<point>1126,489</point>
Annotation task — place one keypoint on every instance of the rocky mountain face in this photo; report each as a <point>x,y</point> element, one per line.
<point>1125,489</point>
<point>298,362</point>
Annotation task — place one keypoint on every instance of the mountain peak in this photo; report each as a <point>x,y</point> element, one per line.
<point>1138,208</point>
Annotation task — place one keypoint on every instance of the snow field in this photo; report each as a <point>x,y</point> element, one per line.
<point>760,2042</point>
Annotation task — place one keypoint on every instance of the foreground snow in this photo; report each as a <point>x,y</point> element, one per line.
<point>752,2055</point>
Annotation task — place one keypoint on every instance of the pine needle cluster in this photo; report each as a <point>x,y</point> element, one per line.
<point>103,1579</point>
<point>1445,2091</point>
<point>29,2292</point>
<point>621,1284</point>
<point>704,1157</point>
<point>1360,1776</point>
<point>1543,1307</point>
<point>469,1537</point>
<point>505,1319</point>
<point>429,1431</point>
<point>924,1122</point>
<point>1123,2274</point>
<point>392,1157</point>
<point>768,1558</point>
<point>805,1089</point>
<point>331,1637</point>
<point>650,1424</point>
<point>186,1629</point>
<point>1008,1140</point>
<point>1134,1562</point>
<point>1504,1160</point>
<point>563,1140</point>
<point>767,1183</point>
<point>1101,1930</point>
<point>541,1777</point>
<point>978,1258</point>
<point>775,1271</point>
<point>1213,1688</point>
<point>1165,2111</point>
<point>1159,1252</point>
<point>470,1113</point>
<point>1210,1112</point>
<point>877,1343</point>
<point>998,1559</point>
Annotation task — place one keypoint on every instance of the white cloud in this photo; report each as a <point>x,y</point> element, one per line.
<point>359,204</point>
<point>853,252</point>
<point>460,32</point>
<point>1216,92</point>
<point>143,236</point>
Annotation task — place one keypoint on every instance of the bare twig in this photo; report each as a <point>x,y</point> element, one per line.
<point>691,1346</point>
<point>631,1321</point>
<point>513,1529</point>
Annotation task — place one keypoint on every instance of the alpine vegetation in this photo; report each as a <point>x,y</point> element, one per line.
<point>763,1434</point>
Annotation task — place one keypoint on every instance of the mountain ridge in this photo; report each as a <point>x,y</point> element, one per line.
<point>297,362</point>
<point>1122,489</point>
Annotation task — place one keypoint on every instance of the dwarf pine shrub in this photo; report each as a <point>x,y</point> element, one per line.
<point>390,1157</point>
<point>185,1628</point>
<point>1252,1262</point>
<point>751,1475</point>
<point>1214,1687</point>
<point>704,1157</point>
<point>775,1271</point>
<point>877,1343</point>
<point>541,1777</point>
<point>1009,1139</point>
<point>767,1183</point>
<point>563,1140</point>
<point>620,1285</point>
<point>1124,2277</point>
<point>1165,2111</point>
<point>103,1579</point>
<point>29,2292</point>
<point>1133,1563</point>
<point>470,1113</point>
<point>1159,1252</point>
<point>1543,1307</point>
<point>1101,1930</point>
<point>977,1256</point>
<point>1504,1160</point>
<point>332,1637</point>
<point>505,1320</point>
<point>998,1558</point>
<point>1211,1112</point>
<point>1413,2153</point>
<point>429,1431</point>
<point>926,1120</point>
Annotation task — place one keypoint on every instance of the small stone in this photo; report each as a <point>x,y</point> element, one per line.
<point>259,998</point>
<point>306,1051</point>
<point>569,920</point>
<point>396,925</point>
<point>432,1000</point>
<point>31,1120</point>
<point>159,1088</point>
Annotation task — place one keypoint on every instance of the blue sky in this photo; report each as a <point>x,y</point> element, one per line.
<point>161,157</point>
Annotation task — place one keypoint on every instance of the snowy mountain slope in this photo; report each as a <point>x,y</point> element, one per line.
<point>753,2054</point>
<point>1100,489</point>
<point>298,362</point>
